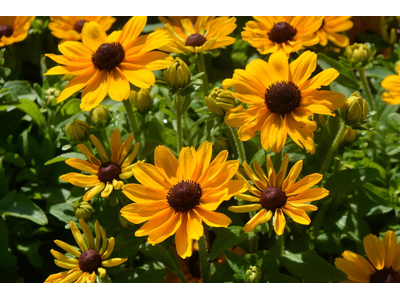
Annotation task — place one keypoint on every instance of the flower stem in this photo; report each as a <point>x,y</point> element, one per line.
<point>205,270</point>
<point>178,109</point>
<point>106,140</point>
<point>334,147</point>
<point>367,89</point>
<point>239,145</point>
<point>133,122</point>
<point>202,68</point>
<point>281,243</point>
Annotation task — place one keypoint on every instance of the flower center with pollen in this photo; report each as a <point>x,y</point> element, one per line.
<point>108,171</point>
<point>282,97</point>
<point>6,31</point>
<point>184,196</point>
<point>89,260</point>
<point>386,275</point>
<point>108,56</point>
<point>282,32</point>
<point>79,25</point>
<point>272,198</point>
<point>195,40</point>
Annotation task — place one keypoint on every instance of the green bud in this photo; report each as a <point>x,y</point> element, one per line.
<point>50,96</point>
<point>356,109</point>
<point>254,274</point>
<point>78,131</point>
<point>99,117</point>
<point>142,100</point>
<point>349,137</point>
<point>177,75</point>
<point>358,54</point>
<point>220,101</point>
<point>83,210</point>
<point>221,143</point>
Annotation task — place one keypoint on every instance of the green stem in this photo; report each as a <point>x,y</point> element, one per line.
<point>178,109</point>
<point>281,243</point>
<point>202,68</point>
<point>367,89</point>
<point>239,145</point>
<point>132,121</point>
<point>89,146</point>
<point>205,270</point>
<point>334,147</point>
<point>106,140</point>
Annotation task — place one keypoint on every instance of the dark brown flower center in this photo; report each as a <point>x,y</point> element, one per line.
<point>282,97</point>
<point>386,275</point>
<point>184,196</point>
<point>109,171</point>
<point>108,56</point>
<point>272,198</point>
<point>79,25</point>
<point>194,264</point>
<point>282,32</point>
<point>89,260</point>
<point>195,40</point>
<point>6,31</point>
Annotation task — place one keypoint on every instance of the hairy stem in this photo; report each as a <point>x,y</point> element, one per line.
<point>239,145</point>
<point>334,147</point>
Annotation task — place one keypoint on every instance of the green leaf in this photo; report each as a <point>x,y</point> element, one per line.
<point>394,121</point>
<point>64,212</point>
<point>19,87</point>
<point>223,274</point>
<point>126,243</point>
<point>237,262</point>
<point>30,250</point>
<point>64,157</point>
<point>152,276</point>
<point>19,206</point>
<point>8,260</point>
<point>14,158</point>
<point>281,278</point>
<point>29,107</point>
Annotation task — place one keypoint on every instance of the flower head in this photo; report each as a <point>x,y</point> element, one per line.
<point>108,64</point>
<point>276,194</point>
<point>392,84</point>
<point>70,28</point>
<point>286,34</point>
<point>106,174</point>
<point>331,28</point>
<point>89,261</point>
<point>282,100</point>
<point>175,197</point>
<point>383,265</point>
<point>14,29</point>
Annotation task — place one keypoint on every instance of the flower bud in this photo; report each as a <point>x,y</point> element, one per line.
<point>254,274</point>
<point>99,117</point>
<point>78,131</point>
<point>50,96</point>
<point>220,101</point>
<point>142,100</point>
<point>349,137</point>
<point>221,143</point>
<point>356,109</point>
<point>358,54</point>
<point>83,210</point>
<point>177,75</point>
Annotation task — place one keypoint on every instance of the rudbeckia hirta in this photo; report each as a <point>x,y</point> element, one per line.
<point>70,28</point>
<point>175,197</point>
<point>282,100</point>
<point>108,64</point>
<point>383,265</point>
<point>392,84</point>
<point>83,265</point>
<point>331,28</point>
<point>206,33</point>
<point>286,34</point>
<point>106,173</point>
<point>274,195</point>
<point>14,29</point>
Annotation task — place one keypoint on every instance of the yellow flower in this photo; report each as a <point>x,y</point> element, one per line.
<point>106,174</point>
<point>384,257</point>
<point>331,26</point>
<point>206,33</point>
<point>108,64</point>
<point>14,29</point>
<point>92,259</point>
<point>282,100</point>
<point>286,34</point>
<point>175,197</point>
<point>70,28</point>
<point>392,84</point>
<point>274,195</point>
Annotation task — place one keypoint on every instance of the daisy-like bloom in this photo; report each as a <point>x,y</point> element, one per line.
<point>392,84</point>
<point>175,197</point>
<point>106,173</point>
<point>108,64</point>
<point>206,33</point>
<point>286,34</point>
<point>14,29</point>
<point>70,28</point>
<point>274,195</point>
<point>331,28</point>
<point>88,263</point>
<point>383,265</point>
<point>282,100</point>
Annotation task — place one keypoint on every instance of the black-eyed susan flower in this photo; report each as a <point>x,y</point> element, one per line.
<point>383,265</point>
<point>274,195</point>
<point>105,173</point>
<point>176,197</point>
<point>286,34</point>
<point>331,28</point>
<point>206,33</point>
<point>108,64</point>
<point>281,100</point>
<point>70,28</point>
<point>392,84</point>
<point>93,257</point>
<point>14,29</point>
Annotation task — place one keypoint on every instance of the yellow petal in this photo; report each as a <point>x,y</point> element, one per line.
<point>67,248</point>
<point>107,191</point>
<point>110,248</point>
<point>113,262</point>
<point>78,236</point>
<point>88,233</point>
<point>254,221</point>
<point>213,219</point>
<point>298,215</point>
<point>280,222</point>
<point>94,191</point>
<point>100,148</point>
<point>245,208</point>
<point>375,250</point>
<point>93,35</point>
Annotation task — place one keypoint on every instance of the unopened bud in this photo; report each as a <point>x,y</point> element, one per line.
<point>50,96</point>
<point>356,109</point>
<point>349,137</point>
<point>99,117</point>
<point>177,75</point>
<point>220,101</point>
<point>142,100</point>
<point>83,210</point>
<point>254,274</point>
<point>78,131</point>
<point>358,54</point>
